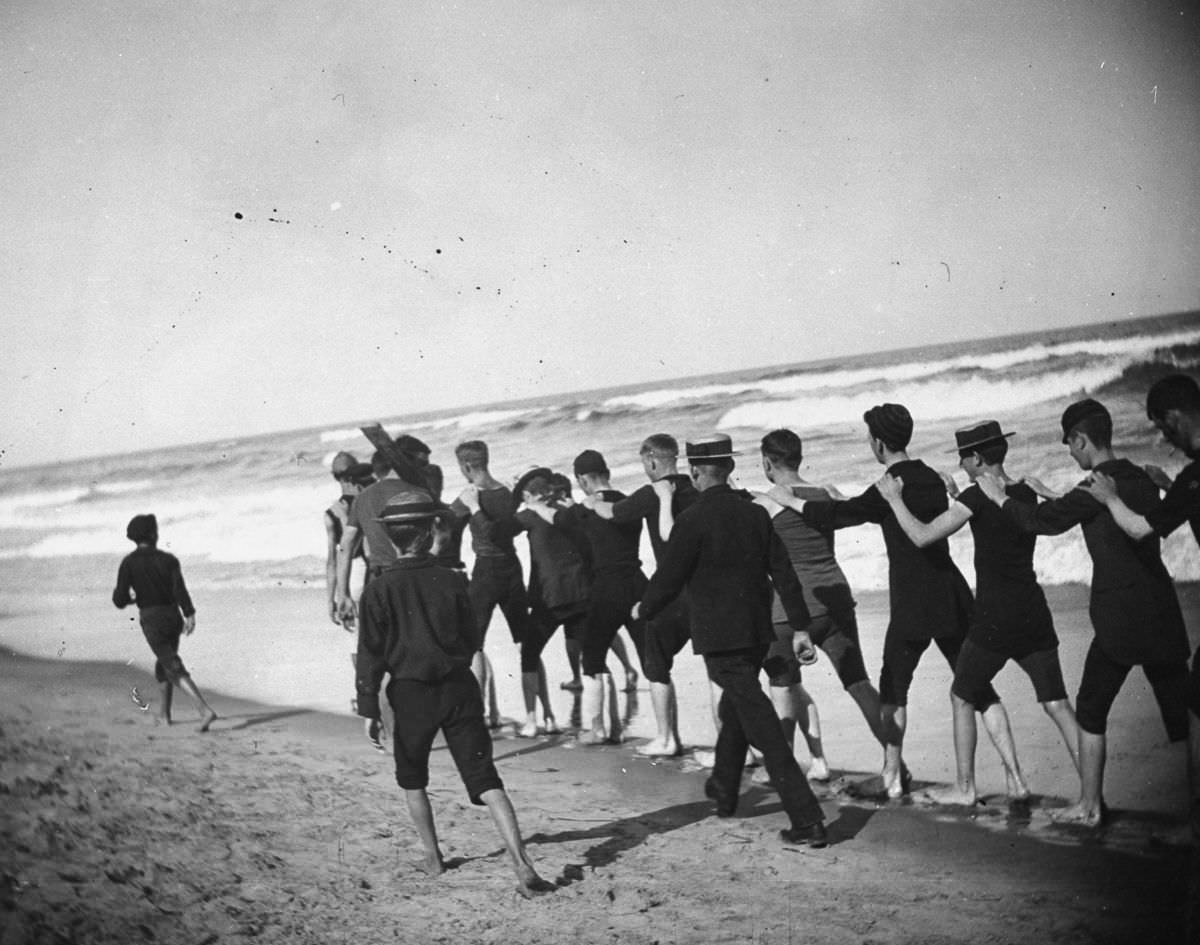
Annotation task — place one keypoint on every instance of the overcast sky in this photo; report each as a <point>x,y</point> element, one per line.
<point>445,204</point>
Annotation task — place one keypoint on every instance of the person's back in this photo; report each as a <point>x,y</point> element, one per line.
<point>812,552</point>
<point>734,570</point>
<point>416,613</point>
<point>155,579</point>
<point>417,626</point>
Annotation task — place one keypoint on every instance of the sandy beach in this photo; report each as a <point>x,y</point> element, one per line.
<point>283,825</point>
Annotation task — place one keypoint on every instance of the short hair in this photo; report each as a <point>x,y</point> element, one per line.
<point>660,444</point>
<point>380,463</point>
<point>411,537</point>
<point>891,424</point>
<point>992,453</point>
<point>783,448</point>
<point>1097,427</point>
<point>473,454</point>
<point>723,465</point>
<point>142,530</point>
<point>1173,392</point>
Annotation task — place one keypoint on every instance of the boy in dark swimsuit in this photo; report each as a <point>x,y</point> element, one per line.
<point>154,581</point>
<point>1012,620</point>
<point>1133,605</point>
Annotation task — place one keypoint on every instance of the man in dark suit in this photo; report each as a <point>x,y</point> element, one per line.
<point>725,554</point>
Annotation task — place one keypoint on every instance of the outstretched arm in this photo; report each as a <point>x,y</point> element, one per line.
<point>921,533</point>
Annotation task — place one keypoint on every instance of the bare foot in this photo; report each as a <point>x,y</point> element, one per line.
<point>1077,815</point>
<point>209,717</point>
<point>1018,790</point>
<point>551,726</point>
<point>529,884</point>
<point>951,796</point>
<point>893,784</point>
<point>589,737</point>
<point>431,864</point>
<point>818,770</point>
<point>659,748</point>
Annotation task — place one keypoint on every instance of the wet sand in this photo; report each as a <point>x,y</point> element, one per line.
<point>283,824</point>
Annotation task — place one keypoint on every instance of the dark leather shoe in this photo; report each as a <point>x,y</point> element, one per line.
<point>726,803</point>
<point>814,835</point>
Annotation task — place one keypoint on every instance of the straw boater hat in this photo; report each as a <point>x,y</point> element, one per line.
<point>717,446</point>
<point>981,433</point>
<point>412,505</point>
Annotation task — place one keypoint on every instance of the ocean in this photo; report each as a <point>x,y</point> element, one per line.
<point>245,515</point>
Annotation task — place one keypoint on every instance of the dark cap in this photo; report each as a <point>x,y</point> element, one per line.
<point>978,435</point>
<point>412,505</point>
<point>891,423</point>
<point>410,444</point>
<point>142,528</point>
<point>1080,411</point>
<point>717,446</point>
<point>341,464</point>
<point>361,474</point>
<point>590,461</point>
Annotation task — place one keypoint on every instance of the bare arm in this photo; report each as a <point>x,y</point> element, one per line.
<point>665,489</point>
<point>331,562</point>
<point>921,533</point>
<point>345,603</point>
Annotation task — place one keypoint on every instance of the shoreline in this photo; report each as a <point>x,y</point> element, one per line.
<point>283,824</point>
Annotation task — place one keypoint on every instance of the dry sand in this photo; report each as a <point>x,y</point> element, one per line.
<point>284,825</point>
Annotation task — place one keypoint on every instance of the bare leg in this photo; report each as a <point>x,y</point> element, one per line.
<point>809,724</point>
<point>529,883</point>
<point>621,652</point>
<point>529,690</point>
<point>481,666</point>
<point>573,648</point>
<point>166,692</point>
<point>666,742</point>
<point>866,697</point>
<point>1092,754</point>
<point>1064,717</point>
<point>995,720</point>
<point>207,715</point>
<point>543,693</point>
<point>893,722</point>
<point>965,739</point>
<point>422,817</point>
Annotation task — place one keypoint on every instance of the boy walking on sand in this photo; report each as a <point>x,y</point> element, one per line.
<point>417,625</point>
<point>153,580</point>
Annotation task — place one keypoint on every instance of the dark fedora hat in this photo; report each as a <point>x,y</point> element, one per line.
<point>522,483</point>
<point>970,437</point>
<point>1080,411</point>
<point>411,505</point>
<point>717,446</point>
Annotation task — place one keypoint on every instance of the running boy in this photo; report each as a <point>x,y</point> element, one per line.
<point>416,624</point>
<point>165,609</point>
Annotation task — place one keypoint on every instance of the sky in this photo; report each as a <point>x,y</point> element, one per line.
<point>230,218</point>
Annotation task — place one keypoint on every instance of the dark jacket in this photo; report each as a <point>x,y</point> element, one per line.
<point>643,504</point>
<point>929,596</point>
<point>724,551</point>
<point>415,622</point>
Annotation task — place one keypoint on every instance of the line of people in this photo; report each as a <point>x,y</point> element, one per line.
<point>753,581</point>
